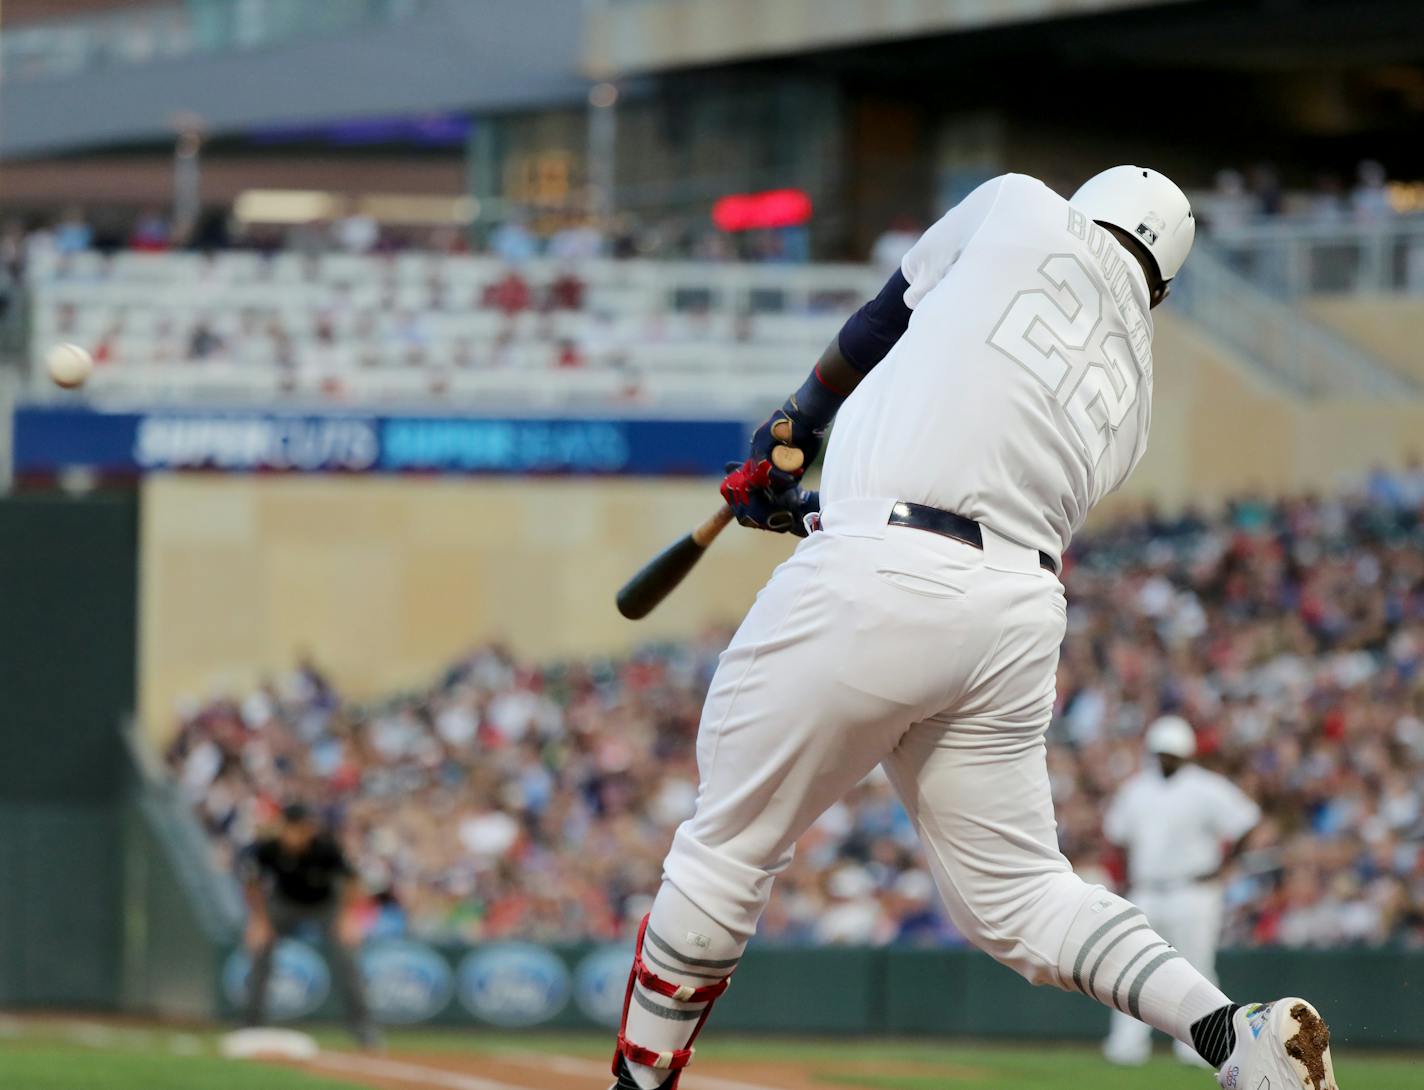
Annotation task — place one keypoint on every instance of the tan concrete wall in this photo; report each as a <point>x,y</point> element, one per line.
<point>385,579</point>
<point>1217,430</point>
<point>1390,326</point>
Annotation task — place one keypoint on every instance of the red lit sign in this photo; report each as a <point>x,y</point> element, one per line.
<point>758,211</point>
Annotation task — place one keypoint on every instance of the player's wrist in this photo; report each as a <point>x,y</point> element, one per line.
<point>814,404</point>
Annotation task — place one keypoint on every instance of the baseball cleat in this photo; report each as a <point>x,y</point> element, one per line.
<point>1283,1045</point>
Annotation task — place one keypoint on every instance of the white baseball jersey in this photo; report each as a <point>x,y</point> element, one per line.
<point>1174,827</point>
<point>1021,392</point>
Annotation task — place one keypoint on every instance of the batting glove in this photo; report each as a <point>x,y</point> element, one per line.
<point>746,488</point>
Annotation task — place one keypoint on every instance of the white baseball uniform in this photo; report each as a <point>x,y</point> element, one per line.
<point>1174,830</point>
<point>1018,396</point>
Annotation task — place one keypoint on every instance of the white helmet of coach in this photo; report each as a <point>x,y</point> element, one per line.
<point>1173,736</point>
<point>1146,205</point>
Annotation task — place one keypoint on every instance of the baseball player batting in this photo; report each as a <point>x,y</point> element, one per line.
<point>997,387</point>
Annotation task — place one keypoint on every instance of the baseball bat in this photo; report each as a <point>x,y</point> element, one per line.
<point>660,576</point>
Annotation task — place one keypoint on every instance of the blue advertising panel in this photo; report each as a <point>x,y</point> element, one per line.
<point>48,438</point>
<point>513,984</point>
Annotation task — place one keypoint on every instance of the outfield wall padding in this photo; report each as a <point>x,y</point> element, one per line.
<point>1373,998</point>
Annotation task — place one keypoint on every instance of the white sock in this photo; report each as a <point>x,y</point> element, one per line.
<point>1113,954</point>
<point>683,945</point>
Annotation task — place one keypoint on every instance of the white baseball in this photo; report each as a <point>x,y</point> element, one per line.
<point>69,365</point>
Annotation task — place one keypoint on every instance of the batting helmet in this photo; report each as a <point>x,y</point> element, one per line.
<point>1146,205</point>
<point>1172,735</point>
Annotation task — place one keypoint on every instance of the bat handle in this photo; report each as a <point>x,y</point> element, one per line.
<point>707,532</point>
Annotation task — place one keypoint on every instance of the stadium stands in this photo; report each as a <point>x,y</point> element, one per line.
<point>419,328</point>
<point>509,798</point>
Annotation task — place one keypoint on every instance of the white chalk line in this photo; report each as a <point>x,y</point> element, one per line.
<point>407,1072</point>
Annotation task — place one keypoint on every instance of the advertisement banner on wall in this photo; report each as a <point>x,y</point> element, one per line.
<point>48,438</point>
<point>406,982</point>
<point>513,985</point>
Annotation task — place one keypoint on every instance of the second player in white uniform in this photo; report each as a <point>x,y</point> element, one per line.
<point>1007,382</point>
<point>1178,824</point>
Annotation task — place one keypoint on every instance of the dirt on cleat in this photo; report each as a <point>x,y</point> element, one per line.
<point>1308,1047</point>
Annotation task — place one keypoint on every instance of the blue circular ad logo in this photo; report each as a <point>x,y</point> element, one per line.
<point>299,984</point>
<point>601,982</point>
<point>513,984</point>
<point>406,982</point>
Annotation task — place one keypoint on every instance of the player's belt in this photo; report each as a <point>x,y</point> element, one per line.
<point>947,524</point>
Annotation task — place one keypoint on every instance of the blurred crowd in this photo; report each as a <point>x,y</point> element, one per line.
<point>510,799</point>
<point>522,237</point>
<point>1240,198</point>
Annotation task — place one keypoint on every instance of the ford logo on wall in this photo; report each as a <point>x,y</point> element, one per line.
<point>513,984</point>
<point>406,982</point>
<point>299,984</point>
<point>601,982</point>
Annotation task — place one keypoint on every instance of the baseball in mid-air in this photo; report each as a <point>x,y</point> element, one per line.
<point>69,365</point>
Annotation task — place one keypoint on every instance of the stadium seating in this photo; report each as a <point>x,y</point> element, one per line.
<point>421,328</point>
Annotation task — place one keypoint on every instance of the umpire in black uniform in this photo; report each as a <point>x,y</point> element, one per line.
<point>300,877</point>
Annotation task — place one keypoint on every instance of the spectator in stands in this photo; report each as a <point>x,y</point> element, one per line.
<point>566,291</point>
<point>13,243</point>
<point>513,242</point>
<point>150,233</point>
<point>448,239</point>
<point>1370,198</point>
<point>577,240</point>
<point>1229,206</point>
<point>356,233</point>
<point>1328,204</point>
<point>313,237</point>
<point>510,295</point>
<point>1264,183</point>
<point>570,355</point>
<point>203,342</point>
<point>73,233</point>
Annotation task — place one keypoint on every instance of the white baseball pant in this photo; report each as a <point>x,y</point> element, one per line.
<point>877,644</point>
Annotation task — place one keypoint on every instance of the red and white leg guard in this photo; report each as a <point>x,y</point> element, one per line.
<point>671,1059</point>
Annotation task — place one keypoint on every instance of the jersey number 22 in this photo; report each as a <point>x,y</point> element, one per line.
<point>1055,332</point>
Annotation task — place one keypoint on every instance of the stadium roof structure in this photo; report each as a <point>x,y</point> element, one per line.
<point>441,56</point>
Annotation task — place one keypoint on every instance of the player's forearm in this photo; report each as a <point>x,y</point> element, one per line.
<point>836,372</point>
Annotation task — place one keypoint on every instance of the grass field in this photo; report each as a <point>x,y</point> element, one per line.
<point>81,1056</point>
